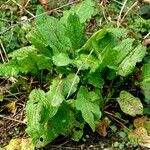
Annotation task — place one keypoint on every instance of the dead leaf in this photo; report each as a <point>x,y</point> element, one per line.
<point>102,126</point>
<point>140,121</point>
<point>140,137</point>
<point>11,107</point>
<point>20,144</point>
<point>129,104</point>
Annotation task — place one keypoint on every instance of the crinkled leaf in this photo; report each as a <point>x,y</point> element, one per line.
<point>120,52</point>
<point>90,109</point>
<point>101,43</point>
<point>103,39</point>
<point>93,41</point>
<point>121,58</point>
<point>9,69</point>
<point>124,57</point>
<point>63,123</point>
<point>25,60</point>
<point>129,104</point>
<point>145,83</point>
<point>40,19</point>
<point>128,64</point>
<point>51,33</point>
<point>75,31</point>
<point>21,52</point>
<point>38,111</point>
<point>85,10</point>
<point>61,59</point>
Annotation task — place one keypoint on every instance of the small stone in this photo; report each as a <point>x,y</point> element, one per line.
<point>87,136</point>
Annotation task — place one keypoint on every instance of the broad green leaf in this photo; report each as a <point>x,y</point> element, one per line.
<point>85,10</point>
<point>9,69</point>
<point>39,108</point>
<point>120,52</point>
<point>96,80</point>
<point>30,63</point>
<point>128,64</point>
<point>93,41</point>
<point>51,33</point>
<point>63,123</point>
<point>21,52</point>
<point>75,31</point>
<point>143,10</point>
<point>96,51</point>
<point>89,108</point>
<point>121,58</point>
<point>38,112</point>
<point>25,60</point>
<point>145,83</point>
<point>124,57</point>
<point>129,104</point>
<point>61,59</point>
<point>103,39</point>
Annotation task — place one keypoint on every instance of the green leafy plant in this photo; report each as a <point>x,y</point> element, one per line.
<point>75,64</point>
<point>145,83</point>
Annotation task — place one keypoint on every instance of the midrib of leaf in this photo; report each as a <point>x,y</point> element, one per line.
<point>58,86</point>
<point>76,75</point>
<point>128,56</point>
<point>127,53</point>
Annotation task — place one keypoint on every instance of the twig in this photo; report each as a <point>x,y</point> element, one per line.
<point>4,51</point>
<point>1,116</point>
<point>134,4</point>
<point>5,3</point>
<point>2,57</point>
<point>50,11</point>
<point>122,8</point>
<point>23,8</point>
<point>108,113</point>
<point>116,118</point>
<point>103,11</point>
<point>13,95</point>
<point>128,9</point>
<point>147,35</point>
